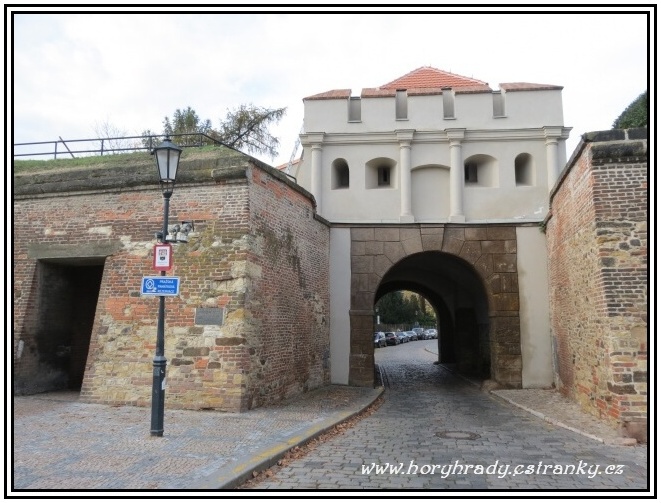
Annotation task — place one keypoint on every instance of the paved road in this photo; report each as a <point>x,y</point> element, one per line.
<point>439,431</point>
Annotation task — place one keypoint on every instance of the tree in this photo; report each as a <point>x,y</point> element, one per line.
<point>246,128</point>
<point>113,138</point>
<point>185,126</point>
<point>635,115</point>
<point>422,305</point>
<point>394,309</point>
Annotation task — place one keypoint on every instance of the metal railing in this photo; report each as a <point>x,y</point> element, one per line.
<point>101,146</point>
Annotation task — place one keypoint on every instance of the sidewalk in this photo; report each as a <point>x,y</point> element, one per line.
<point>554,408</point>
<point>62,443</point>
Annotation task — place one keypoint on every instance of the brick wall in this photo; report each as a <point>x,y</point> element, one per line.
<point>597,243</point>
<point>109,218</point>
<point>288,295</point>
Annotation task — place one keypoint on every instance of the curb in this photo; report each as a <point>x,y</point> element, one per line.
<point>540,415</point>
<point>244,467</point>
<point>549,419</point>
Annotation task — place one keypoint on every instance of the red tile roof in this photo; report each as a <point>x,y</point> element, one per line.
<point>427,80</point>
<point>330,95</point>
<point>429,77</point>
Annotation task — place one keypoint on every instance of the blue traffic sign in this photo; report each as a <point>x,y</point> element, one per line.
<point>160,285</point>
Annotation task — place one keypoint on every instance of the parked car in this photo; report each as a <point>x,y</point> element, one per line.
<point>380,340</point>
<point>431,333</point>
<point>419,333</point>
<point>392,339</point>
<point>403,337</point>
<point>412,335</point>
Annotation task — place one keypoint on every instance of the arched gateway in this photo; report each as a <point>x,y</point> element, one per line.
<point>469,274</point>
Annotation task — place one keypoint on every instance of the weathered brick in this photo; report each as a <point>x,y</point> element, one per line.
<point>256,254</point>
<point>598,280</point>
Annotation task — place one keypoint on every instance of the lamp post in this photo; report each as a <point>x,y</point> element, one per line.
<point>167,161</point>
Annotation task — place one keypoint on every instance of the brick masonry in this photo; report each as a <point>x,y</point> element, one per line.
<point>597,244</point>
<point>242,259</point>
<point>260,255</point>
<point>490,251</point>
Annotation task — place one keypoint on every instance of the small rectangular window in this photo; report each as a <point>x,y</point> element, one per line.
<point>470,173</point>
<point>384,177</point>
<point>401,108</point>
<point>498,104</point>
<point>448,104</point>
<point>354,109</point>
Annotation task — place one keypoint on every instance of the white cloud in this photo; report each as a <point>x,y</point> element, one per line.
<point>72,71</point>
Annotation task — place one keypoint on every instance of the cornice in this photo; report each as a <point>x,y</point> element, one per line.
<point>437,136</point>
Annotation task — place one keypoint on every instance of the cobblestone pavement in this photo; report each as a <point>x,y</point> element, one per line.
<point>437,431</point>
<point>60,443</point>
<point>430,417</point>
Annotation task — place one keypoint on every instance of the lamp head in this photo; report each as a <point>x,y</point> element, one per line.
<point>167,161</point>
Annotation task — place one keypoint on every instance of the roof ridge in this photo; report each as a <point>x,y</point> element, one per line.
<point>437,71</point>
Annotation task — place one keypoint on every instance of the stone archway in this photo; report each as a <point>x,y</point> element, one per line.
<point>457,294</point>
<point>490,251</point>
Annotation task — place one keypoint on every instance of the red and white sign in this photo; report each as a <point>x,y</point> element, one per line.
<point>163,257</point>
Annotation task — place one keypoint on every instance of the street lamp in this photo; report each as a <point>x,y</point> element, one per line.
<point>167,162</point>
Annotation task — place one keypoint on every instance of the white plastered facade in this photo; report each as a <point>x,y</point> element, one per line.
<point>469,166</point>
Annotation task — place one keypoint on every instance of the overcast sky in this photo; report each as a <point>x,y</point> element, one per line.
<point>73,72</point>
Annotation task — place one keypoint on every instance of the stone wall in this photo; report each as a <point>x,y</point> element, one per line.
<point>488,252</point>
<point>108,218</point>
<point>597,245</point>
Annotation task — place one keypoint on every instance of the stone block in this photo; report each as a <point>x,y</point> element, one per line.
<point>373,247</point>
<point>427,229</point>
<point>493,247</point>
<point>432,242</point>
<point>373,282</point>
<point>484,266</point>
<point>362,264</point>
<point>503,283</point>
<point>501,233</point>
<point>621,389</point>
<point>495,283</point>
<point>504,329</point>
<point>470,251</point>
<point>475,233</point>
<point>452,245</point>
<point>394,251</point>
<point>504,263</point>
<point>412,245</point>
<point>360,282</point>
<point>364,322</point>
<point>386,234</point>
<point>362,300</point>
<point>381,265</point>
<point>196,352</point>
<point>639,376</point>
<point>455,233</point>
<point>358,248</point>
<point>362,234</point>
<point>407,233</point>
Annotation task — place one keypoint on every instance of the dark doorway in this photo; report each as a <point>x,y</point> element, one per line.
<point>455,291</point>
<point>68,294</point>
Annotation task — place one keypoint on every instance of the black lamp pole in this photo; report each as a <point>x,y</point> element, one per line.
<point>167,161</point>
